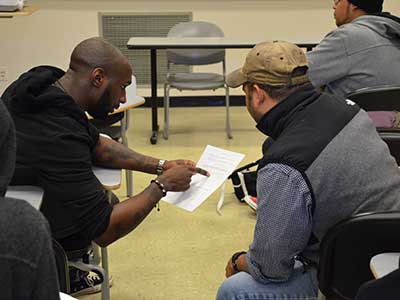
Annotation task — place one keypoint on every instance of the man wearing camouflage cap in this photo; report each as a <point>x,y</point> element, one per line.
<point>364,51</point>
<point>313,175</point>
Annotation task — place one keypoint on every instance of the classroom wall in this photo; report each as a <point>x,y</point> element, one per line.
<point>49,35</point>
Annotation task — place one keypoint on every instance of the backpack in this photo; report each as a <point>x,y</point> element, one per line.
<point>244,181</point>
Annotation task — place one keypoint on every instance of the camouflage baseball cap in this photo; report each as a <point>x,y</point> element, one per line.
<point>271,63</point>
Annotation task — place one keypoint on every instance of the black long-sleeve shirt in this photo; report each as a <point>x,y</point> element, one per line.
<point>56,141</point>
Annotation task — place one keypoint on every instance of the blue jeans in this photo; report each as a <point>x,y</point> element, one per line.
<point>300,286</point>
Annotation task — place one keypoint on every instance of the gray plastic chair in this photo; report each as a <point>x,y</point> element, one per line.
<point>377,98</point>
<point>384,98</point>
<point>347,248</point>
<point>392,139</point>
<point>195,80</point>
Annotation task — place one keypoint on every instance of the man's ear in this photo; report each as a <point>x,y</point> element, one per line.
<point>262,99</point>
<point>258,94</point>
<point>352,7</point>
<point>97,77</point>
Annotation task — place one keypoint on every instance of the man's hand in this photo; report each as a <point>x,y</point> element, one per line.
<point>240,259</point>
<point>182,162</point>
<point>177,179</point>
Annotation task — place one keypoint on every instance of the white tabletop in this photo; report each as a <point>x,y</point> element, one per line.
<point>109,178</point>
<point>208,42</point>
<point>31,194</point>
<point>385,263</point>
<point>66,297</point>
<point>26,11</point>
<point>131,102</point>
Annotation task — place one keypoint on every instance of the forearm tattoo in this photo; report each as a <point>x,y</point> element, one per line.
<point>115,155</point>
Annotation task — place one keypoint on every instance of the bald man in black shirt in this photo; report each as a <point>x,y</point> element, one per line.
<point>56,141</point>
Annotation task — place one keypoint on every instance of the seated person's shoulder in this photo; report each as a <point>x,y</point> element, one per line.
<point>59,140</point>
<point>15,207</point>
<point>357,37</point>
<point>16,213</point>
<point>348,31</point>
<point>66,126</point>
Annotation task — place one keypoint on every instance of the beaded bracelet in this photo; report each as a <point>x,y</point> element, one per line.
<point>161,186</point>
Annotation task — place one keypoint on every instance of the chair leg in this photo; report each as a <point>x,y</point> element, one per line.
<point>166,111</point>
<point>128,173</point>
<point>62,267</point>
<point>228,121</point>
<point>105,286</point>
<point>95,258</point>
<point>129,184</point>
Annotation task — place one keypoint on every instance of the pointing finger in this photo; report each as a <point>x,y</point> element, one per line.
<point>201,171</point>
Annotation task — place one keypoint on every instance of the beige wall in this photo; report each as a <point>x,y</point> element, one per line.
<point>48,36</point>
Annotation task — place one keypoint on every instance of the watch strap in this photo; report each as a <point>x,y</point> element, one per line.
<point>235,258</point>
<point>160,166</point>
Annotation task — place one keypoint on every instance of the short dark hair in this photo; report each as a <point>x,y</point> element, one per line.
<point>95,52</point>
<point>282,92</point>
<point>369,6</point>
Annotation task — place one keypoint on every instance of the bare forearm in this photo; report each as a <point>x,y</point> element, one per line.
<point>111,154</point>
<point>128,214</point>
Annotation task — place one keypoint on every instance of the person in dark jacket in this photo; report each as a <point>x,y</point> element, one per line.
<point>27,267</point>
<point>327,162</point>
<point>56,141</point>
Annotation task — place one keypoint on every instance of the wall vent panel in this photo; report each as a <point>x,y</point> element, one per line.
<point>117,28</point>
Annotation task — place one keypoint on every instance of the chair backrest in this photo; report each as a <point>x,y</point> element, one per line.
<point>62,267</point>
<point>386,288</point>
<point>347,248</point>
<point>195,56</point>
<point>392,139</point>
<point>386,98</point>
<point>131,90</point>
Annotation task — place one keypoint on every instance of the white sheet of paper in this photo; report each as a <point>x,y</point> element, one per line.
<point>220,164</point>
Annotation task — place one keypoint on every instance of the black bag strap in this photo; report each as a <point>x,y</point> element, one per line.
<point>245,167</point>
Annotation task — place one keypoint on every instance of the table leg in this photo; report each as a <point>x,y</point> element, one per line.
<point>154,125</point>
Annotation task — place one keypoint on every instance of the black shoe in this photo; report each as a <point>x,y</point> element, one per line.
<point>83,282</point>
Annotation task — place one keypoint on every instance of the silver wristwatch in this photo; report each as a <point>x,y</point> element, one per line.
<point>160,166</point>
